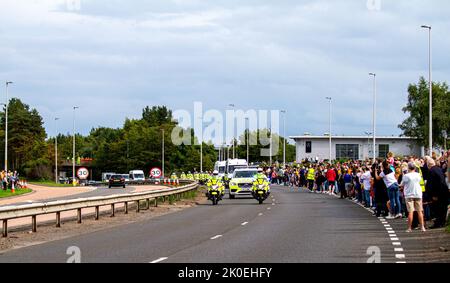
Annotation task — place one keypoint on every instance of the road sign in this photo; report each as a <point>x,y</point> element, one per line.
<point>156,173</point>
<point>83,173</point>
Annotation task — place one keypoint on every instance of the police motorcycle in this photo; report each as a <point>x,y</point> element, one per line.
<point>261,188</point>
<point>216,190</point>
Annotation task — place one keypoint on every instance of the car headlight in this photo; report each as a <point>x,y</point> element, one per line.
<point>233,184</point>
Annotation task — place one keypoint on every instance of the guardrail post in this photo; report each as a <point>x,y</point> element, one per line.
<point>113,210</point>
<point>138,209</point>
<point>58,219</point>
<point>156,202</point>
<point>97,213</point>
<point>5,228</point>
<point>33,224</point>
<point>147,201</point>
<point>79,215</point>
<point>126,207</point>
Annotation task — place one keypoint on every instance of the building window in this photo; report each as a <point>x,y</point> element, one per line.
<point>383,150</point>
<point>308,147</point>
<point>347,151</point>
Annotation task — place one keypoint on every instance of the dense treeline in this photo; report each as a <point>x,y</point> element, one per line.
<point>136,145</point>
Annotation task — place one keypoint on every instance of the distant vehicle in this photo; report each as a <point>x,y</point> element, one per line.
<point>221,166</point>
<point>242,182</point>
<point>106,177</point>
<point>117,181</point>
<point>137,176</point>
<point>126,177</point>
<point>233,164</point>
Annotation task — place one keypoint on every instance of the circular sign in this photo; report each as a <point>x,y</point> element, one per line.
<point>83,173</point>
<point>156,173</point>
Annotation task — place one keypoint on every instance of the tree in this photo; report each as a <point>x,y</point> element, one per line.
<point>417,124</point>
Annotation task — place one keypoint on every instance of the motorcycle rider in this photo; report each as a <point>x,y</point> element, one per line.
<point>183,176</point>
<point>215,180</point>
<point>260,179</point>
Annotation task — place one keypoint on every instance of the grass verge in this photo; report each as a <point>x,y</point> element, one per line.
<point>7,193</point>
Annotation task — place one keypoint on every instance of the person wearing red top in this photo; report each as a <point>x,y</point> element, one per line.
<point>331,177</point>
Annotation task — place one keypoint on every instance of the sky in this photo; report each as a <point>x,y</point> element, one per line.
<point>114,57</point>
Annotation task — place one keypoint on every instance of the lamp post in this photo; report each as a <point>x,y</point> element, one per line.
<point>56,150</point>
<point>162,157</point>
<point>329,133</point>
<point>73,147</point>
<point>248,140</point>
<point>234,147</point>
<point>368,143</point>
<point>374,114</point>
<point>201,144</point>
<point>6,126</point>
<point>431,90</point>
<point>284,137</point>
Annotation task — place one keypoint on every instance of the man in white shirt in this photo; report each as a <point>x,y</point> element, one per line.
<point>413,196</point>
<point>365,179</point>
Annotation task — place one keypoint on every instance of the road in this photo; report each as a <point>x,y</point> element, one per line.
<point>293,226</point>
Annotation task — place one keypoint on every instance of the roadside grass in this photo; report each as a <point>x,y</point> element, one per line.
<point>48,183</point>
<point>7,193</point>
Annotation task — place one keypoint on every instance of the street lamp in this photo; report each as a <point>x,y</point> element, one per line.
<point>162,157</point>
<point>248,140</point>
<point>201,144</point>
<point>56,150</point>
<point>431,89</point>
<point>234,147</point>
<point>368,143</point>
<point>329,131</point>
<point>284,137</point>
<point>73,147</point>
<point>374,113</point>
<point>6,127</point>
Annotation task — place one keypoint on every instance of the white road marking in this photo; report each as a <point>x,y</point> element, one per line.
<point>216,237</point>
<point>268,208</point>
<point>398,250</point>
<point>261,214</point>
<point>245,223</point>
<point>159,260</point>
<point>391,232</point>
<point>397,243</point>
<point>400,256</point>
<point>387,226</point>
<point>395,239</point>
<point>389,229</point>
<point>401,262</point>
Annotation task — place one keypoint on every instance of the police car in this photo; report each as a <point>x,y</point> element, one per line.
<point>242,182</point>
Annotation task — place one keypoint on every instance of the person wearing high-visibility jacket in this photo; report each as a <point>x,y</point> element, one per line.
<point>311,177</point>
<point>196,176</point>
<point>183,176</point>
<point>215,180</point>
<point>190,176</point>
<point>174,176</point>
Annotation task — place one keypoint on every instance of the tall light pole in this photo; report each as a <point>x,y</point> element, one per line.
<point>234,147</point>
<point>201,145</point>
<point>284,137</point>
<point>6,126</point>
<point>73,147</point>
<point>431,90</point>
<point>162,157</point>
<point>56,150</point>
<point>374,115</point>
<point>248,140</point>
<point>368,143</point>
<point>329,128</point>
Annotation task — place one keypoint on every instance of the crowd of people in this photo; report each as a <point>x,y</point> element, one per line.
<point>407,187</point>
<point>9,180</point>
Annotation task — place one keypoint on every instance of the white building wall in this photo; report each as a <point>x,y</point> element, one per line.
<point>320,147</point>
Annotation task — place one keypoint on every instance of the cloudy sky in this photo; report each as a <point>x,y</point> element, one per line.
<point>114,57</point>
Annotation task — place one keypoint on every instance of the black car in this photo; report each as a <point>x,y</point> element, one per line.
<point>117,181</point>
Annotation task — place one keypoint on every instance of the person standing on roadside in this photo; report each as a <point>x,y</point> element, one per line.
<point>437,190</point>
<point>388,176</point>
<point>366,179</point>
<point>413,196</point>
<point>331,178</point>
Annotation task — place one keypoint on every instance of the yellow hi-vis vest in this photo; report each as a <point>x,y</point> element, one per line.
<point>422,181</point>
<point>311,174</point>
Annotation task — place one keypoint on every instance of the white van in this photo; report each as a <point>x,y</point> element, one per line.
<point>221,167</point>
<point>106,177</point>
<point>137,176</point>
<point>233,164</point>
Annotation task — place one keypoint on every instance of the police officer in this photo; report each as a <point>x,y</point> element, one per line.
<point>311,177</point>
<point>190,176</point>
<point>215,180</point>
<point>183,176</point>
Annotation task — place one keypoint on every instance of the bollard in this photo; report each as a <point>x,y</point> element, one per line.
<point>5,228</point>
<point>58,219</point>
<point>33,224</point>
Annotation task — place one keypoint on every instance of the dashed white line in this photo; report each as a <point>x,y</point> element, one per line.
<point>261,214</point>
<point>159,260</point>
<point>216,237</point>
<point>398,250</point>
<point>245,223</point>
<point>397,243</point>
<point>400,256</point>
<point>268,208</point>
<point>395,239</point>
<point>401,262</point>
<point>391,232</point>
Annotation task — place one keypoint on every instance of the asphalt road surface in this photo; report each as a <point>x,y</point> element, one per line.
<point>293,226</point>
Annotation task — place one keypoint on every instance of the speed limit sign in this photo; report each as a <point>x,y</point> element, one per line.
<point>156,173</point>
<point>83,173</point>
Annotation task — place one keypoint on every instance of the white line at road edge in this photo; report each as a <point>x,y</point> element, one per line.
<point>216,237</point>
<point>159,260</point>
<point>245,223</point>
